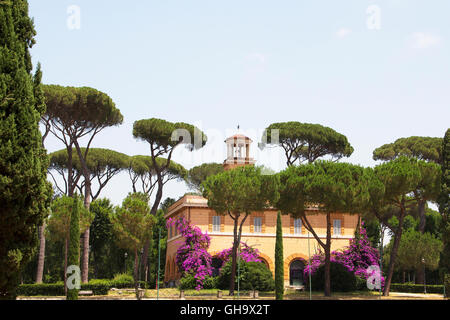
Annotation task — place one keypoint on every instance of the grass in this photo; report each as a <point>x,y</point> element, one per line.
<point>211,294</point>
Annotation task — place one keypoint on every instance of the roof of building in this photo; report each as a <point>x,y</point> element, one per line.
<point>239,136</point>
<point>197,201</point>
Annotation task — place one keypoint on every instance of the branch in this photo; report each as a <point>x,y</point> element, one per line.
<point>310,229</point>
<point>56,184</point>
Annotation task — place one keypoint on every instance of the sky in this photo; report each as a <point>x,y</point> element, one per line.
<point>374,71</point>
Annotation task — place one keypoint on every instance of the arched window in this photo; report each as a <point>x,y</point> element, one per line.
<point>296,273</point>
<point>264,261</point>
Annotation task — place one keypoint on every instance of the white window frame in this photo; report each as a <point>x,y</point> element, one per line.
<point>337,227</point>
<point>216,223</point>
<point>257,228</point>
<point>298,226</point>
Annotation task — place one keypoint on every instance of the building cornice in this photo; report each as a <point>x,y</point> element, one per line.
<point>197,201</point>
<point>271,235</point>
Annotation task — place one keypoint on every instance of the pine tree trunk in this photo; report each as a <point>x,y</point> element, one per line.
<point>422,224</point>
<point>144,263</point>
<point>234,258</point>
<point>85,272</point>
<point>327,287</point>
<point>66,250</point>
<point>397,237</point>
<point>422,215</point>
<point>87,205</point>
<point>41,258</point>
<point>136,269</point>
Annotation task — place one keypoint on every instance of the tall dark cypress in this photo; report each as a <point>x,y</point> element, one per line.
<point>444,206</point>
<point>74,244</point>
<point>279,264</point>
<point>24,191</point>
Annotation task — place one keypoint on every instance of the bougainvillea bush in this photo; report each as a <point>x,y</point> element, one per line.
<point>192,256</point>
<point>193,259</point>
<point>356,258</point>
<point>247,253</point>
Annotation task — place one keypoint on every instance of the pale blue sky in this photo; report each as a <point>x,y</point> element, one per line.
<point>217,64</point>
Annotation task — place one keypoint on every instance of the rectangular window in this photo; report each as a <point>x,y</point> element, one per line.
<point>257,224</point>
<point>170,232</point>
<point>298,226</point>
<point>337,227</point>
<point>216,223</point>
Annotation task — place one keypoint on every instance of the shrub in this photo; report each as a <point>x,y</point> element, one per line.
<point>97,286</point>
<point>342,280</point>
<point>189,282</point>
<point>41,289</point>
<point>416,288</point>
<point>361,284</point>
<point>123,277</point>
<point>253,276</point>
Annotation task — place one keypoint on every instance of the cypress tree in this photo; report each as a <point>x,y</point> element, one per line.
<point>444,205</point>
<point>74,244</point>
<point>279,264</point>
<point>24,191</point>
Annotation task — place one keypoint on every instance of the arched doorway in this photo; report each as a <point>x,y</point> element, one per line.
<point>264,261</point>
<point>296,273</point>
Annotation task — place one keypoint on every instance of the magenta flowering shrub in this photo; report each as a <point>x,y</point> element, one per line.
<point>248,254</point>
<point>192,256</point>
<point>357,257</point>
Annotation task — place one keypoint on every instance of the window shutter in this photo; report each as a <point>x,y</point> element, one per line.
<point>263,219</point>
<point>210,222</point>
<point>291,225</point>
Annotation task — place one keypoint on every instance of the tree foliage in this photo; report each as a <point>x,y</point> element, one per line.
<point>307,142</point>
<point>133,224</point>
<point>415,246</point>
<point>423,148</point>
<point>444,205</point>
<point>105,253</point>
<point>331,187</point>
<point>73,113</point>
<point>24,192</point>
<point>163,137</point>
<point>237,193</point>
<point>142,171</point>
<point>198,174</point>
<point>58,224</point>
<point>399,179</point>
<point>103,165</point>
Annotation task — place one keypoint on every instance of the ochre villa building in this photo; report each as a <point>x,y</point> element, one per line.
<point>258,230</point>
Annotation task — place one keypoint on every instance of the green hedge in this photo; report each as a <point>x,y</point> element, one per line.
<point>416,288</point>
<point>98,287</point>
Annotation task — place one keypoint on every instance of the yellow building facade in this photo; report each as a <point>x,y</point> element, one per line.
<point>259,229</point>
